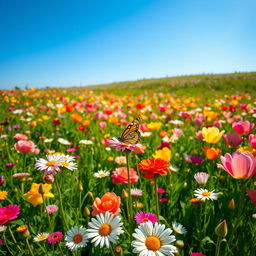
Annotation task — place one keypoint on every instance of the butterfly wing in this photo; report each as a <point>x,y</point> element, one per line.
<point>131,134</point>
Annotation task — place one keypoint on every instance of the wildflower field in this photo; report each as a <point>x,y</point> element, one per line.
<point>150,167</point>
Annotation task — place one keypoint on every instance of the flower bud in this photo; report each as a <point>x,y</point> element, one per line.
<point>124,193</point>
<point>180,243</point>
<point>231,204</point>
<point>80,187</point>
<point>49,178</point>
<point>86,211</point>
<point>23,231</point>
<point>91,195</point>
<point>41,189</point>
<point>118,250</point>
<point>221,230</point>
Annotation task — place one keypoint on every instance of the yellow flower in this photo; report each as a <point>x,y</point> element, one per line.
<point>110,159</point>
<point>212,134</point>
<point>154,125</point>
<point>3,195</point>
<point>248,150</point>
<point>164,153</point>
<point>34,197</point>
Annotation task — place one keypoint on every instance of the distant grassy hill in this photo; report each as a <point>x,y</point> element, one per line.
<point>207,85</point>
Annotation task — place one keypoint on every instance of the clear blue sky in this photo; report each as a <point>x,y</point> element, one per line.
<point>80,42</point>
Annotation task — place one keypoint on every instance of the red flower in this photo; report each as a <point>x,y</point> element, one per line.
<point>152,166</point>
<point>120,175</point>
<point>81,128</point>
<point>8,213</point>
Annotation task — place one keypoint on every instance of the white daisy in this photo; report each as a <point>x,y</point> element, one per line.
<point>86,142</point>
<point>105,228</point>
<point>41,237</point>
<point>3,228</point>
<point>204,194</point>
<point>101,174</point>
<point>63,141</point>
<point>48,140</point>
<point>179,228</point>
<point>50,165</point>
<point>153,240</point>
<point>76,238</point>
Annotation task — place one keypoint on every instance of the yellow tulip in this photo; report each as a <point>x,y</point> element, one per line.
<point>212,134</point>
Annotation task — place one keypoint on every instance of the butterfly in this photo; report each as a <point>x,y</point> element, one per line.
<point>131,134</point>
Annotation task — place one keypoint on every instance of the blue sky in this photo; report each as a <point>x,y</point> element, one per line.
<point>71,43</point>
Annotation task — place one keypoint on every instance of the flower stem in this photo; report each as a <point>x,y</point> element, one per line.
<point>13,238</point>
<point>130,217</point>
<point>217,252</point>
<point>29,247</point>
<point>48,216</point>
<point>111,249</point>
<point>61,205</point>
<point>156,197</point>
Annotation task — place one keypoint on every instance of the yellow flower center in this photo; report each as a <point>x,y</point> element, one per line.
<point>42,237</point>
<point>206,194</point>
<point>66,164</point>
<point>78,238</point>
<point>105,229</point>
<point>50,163</point>
<point>101,175</point>
<point>153,243</point>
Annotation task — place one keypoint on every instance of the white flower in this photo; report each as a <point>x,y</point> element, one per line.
<point>204,194</point>
<point>41,237</point>
<point>48,140</point>
<point>101,174</point>
<point>153,240</point>
<point>146,134</point>
<point>86,142</point>
<point>17,111</point>
<point>178,228</point>
<point>105,228</point>
<point>63,141</point>
<point>3,228</point>
<point>76,238</point>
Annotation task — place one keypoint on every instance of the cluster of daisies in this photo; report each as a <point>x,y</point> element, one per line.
<point>150,237</point>
<point>55,162</point>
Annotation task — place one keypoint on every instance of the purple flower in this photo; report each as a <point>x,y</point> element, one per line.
<point>193,159</point>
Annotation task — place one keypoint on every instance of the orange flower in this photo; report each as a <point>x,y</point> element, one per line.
<point>153,166</point>
<point>76,117</point>
<point>211,153</point>
<point>110,202</point>
<point>163,134</point>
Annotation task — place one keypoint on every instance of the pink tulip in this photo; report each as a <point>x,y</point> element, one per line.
<point>199,121</point>
<point>252,140</point>
<point>242,127</point>
<point>199,135</point>
<point>25,146</point>
<point>240,165</point>
<point>217,124</point>
<point>232,140</point>
<point>20,136</point>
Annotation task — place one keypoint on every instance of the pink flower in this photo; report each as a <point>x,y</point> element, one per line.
<point>160,191</point>
<point>20,136</point>
<point>199,135</point>
<point>252,140</point>
<point>115,143</point>
<point>25,146</point>
<point>178,132</point>
<point>101,116</point>
<point>196,254</point>
<point>201,177</point>
<point>49,178</point>
<point>54,237</point>
<point>103,125</point>
<point>10,164</point>
<point>120,175</point>
<point>51,209</point>
<point>217,124</point>
<point>242,127</point>
<point>233,140</point>
<point>142,217</point>
<point>9,212</point>
<point>240,165</point>
<point>199,121</point>
<point>20,175</point>
<point>163,200</point>
<point>252,195</point>
<point>136,192</point>
<point>165,144</point>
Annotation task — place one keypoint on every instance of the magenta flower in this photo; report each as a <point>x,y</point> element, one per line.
<point>10,164</point>
<point>242,127</point>
<point>164,144</point>
<point>142,217</point>
<point>54,237</point>
<point>160,191</point>
<point>193,159</point>
<point>163,200</point>
<point>252,140</point>
<point>240,165</point>
<point>252,195</point>
<point>2,180</point>
<point>233,140</point>
<point>196,254</point>
<point>9,212</point>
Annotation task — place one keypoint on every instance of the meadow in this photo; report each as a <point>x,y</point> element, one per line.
<point>187,187</point>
